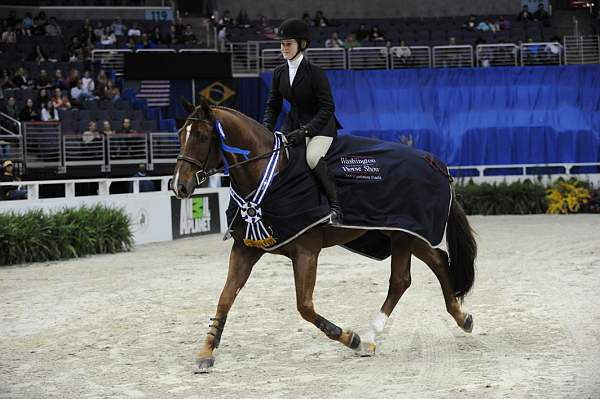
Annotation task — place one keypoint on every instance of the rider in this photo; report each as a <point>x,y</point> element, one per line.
<point>311,118</point>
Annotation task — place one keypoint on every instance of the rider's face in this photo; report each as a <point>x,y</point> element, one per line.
<point>289,48</point>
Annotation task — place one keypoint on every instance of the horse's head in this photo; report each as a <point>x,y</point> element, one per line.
<point>200,151</point>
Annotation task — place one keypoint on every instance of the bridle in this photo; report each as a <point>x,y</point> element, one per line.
<point>203,174</point>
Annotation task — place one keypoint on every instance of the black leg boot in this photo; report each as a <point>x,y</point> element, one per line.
<point>327,183</point>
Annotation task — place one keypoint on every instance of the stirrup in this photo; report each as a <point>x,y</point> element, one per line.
<point>335,218</point>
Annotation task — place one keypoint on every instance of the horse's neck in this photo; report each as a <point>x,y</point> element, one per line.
<point>242,134</point>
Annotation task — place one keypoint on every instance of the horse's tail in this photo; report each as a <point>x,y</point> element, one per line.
<point>462,249</point>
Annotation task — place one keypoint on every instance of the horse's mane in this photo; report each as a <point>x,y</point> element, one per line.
<point>258,126</point>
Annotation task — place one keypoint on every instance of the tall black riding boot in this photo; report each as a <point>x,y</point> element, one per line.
<point>327,182</point>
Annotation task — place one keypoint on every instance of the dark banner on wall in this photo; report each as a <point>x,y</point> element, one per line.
<point>194,216</point>
<point>177,66</point>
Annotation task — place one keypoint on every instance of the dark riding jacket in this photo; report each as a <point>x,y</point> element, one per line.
<point>310,98</point>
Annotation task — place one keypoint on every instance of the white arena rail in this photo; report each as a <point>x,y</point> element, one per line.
<point>410,57</point>
<point>327,58</point>
<point>497,55</point>
<point>549,53</point>
<point>368,58</point>
<point>453,56</point>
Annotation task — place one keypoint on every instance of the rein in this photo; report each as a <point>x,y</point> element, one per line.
<point>203,174</point>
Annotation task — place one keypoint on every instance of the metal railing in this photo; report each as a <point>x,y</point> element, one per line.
<point>410,57</point>
<point>111,59</point>
<point>164,147</point>
<point>78,153</point>
<point>10,125</point>
<point>368,58</point>
<point>327,58</point>
<point>42,144</point>
<point>245,58</point>
<point>453,56</point>
<point>497,55</point>
<point>582,49</point>
<point>127,149</point>
<point>541,54</point>
<point>271,58</point>
<point>11,147</point>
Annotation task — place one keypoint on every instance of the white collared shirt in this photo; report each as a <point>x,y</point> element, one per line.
<point>294,65</point>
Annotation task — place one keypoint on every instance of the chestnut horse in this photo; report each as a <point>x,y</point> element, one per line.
<point>201,152</point>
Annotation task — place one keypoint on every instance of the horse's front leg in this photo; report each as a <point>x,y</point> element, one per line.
<point>241,261</point>
<point>304,258</point>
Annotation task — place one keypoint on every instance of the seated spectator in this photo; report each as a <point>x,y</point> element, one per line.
<point>12,19</point>
<point>59,101</point>
<point>134,30</point>
<point>173,37</point>
<point>21,79</point>
<point>471,23</point>
<point>79,95</point>
<point>351,42</point>
<point>29,113</point>
<point>362,33</point>
<point>155,36</point>
<point>376,34</point>
<point>126,126</point>
<point>75,46</point>
<point>59,80</point>
<point>88,84</point>
<point>264,29</point>
<point>73,77</point>
<point>9,35</point>
<point>131,43</point>
<point>92,134</point>
<point>145,43</point>
<point>87,36</point>
<point>43,97</point>
<point>99,29</point>
<point>49,113</point>
<point>38,28</point>
<point>10,192</point>
<point>6,81</point>
<point>486,26</point>
<point>108,37</point>
<point>320,20</point>
<point>11,109</point>
<point>525,15</point>
<point>542,15</point>
<point>112,92</point>
<point>52,28</point>
<point>43,19</point>
<point>503,24</point>
<point>27,20</point>
<point>43,81</point>
<point>225,22</point>
<point>145,185</point>
<point>334,41</point>
<point>118,27</point>
<point>402,52</point>
<point>307,19</point>
<point>242,19</point>
<point>107,129</point>
<point>188,35</point>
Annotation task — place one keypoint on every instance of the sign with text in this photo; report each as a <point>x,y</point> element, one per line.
<point>195,216</point>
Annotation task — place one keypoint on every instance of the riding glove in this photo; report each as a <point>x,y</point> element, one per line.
<point>297,136</point>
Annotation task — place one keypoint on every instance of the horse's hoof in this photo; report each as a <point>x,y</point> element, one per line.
<point>205,364</point>
<point>468,324</point>
<point>367,349</point>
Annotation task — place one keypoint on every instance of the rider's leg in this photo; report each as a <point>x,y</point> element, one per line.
<point>316,148</point>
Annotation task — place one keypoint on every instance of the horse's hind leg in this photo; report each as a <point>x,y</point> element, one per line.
<point>304,257</point>
<point>399,283</point>
<point>437,260</point>
<point>241,261</point>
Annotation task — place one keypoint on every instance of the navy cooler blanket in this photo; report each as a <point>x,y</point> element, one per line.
<point>381,185</point>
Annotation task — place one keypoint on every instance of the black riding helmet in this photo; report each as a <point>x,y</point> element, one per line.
<point>296,29</point>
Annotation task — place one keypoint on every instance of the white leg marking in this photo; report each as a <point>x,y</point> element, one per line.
<point>376,327</point>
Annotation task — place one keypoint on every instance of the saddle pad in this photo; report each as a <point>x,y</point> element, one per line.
<point>381,186</point>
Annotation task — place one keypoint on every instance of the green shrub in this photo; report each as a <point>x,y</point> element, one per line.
<point>519,198</point>
<point>37,236</point>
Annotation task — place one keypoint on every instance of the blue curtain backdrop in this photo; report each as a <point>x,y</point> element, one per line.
<point>476,116</point>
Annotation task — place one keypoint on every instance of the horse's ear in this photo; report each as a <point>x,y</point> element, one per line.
<point>188,106</point>
<point>205,106</point>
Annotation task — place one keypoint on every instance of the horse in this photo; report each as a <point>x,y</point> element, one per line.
<point>201,152</point>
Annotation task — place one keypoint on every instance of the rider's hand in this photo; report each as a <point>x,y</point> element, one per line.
<point>296,137</point>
